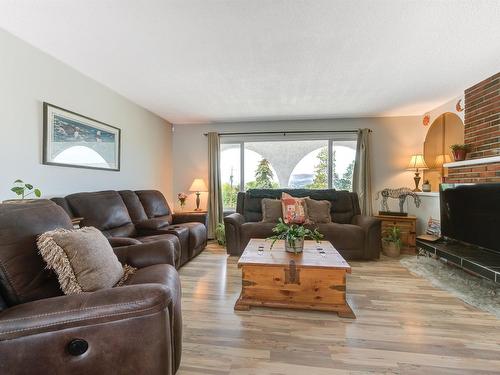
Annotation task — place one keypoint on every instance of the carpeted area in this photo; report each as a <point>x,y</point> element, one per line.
<point>478,292</point>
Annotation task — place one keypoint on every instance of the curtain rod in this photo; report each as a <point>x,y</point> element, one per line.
<point>292,132</point>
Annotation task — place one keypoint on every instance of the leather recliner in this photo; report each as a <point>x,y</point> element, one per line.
<point>132,329</point>
<point>355,236</point>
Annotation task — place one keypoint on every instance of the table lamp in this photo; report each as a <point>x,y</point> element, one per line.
<point>198,186</point>
<point>417,163</point>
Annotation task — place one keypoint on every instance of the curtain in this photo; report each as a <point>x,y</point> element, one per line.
<point>215,213</point>
<point>361,181</point>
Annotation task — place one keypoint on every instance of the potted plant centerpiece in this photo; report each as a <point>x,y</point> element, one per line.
<point>293,235</point>
<point>391,243</point>
<point>459,151</point>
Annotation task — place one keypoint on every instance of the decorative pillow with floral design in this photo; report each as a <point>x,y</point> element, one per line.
<point>294,209</point>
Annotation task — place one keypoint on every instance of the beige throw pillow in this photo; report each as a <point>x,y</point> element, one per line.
<point>83,259</point>
<point>271,210</point>
<point>318,212</point>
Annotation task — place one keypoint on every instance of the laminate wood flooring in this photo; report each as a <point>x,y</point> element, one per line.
<point>404,325</point>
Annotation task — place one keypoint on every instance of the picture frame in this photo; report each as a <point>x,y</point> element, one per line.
<point>74,140</point>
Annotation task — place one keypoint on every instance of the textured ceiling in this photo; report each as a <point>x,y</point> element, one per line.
<point>229,60</point>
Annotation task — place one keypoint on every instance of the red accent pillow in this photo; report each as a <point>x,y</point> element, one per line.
<point>294,209</point>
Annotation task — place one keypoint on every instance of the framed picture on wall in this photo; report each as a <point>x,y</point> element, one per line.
<point>73,140</point>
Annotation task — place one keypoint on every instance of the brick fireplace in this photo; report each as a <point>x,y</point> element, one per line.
<point>482,133</point>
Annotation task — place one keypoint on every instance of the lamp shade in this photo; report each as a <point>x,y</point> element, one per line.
<point>417,162</point>
<point>198,185</point>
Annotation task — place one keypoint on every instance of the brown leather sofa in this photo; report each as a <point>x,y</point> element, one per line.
<point>353,235</point>
<point>132,329</point>
<point>127,217</point>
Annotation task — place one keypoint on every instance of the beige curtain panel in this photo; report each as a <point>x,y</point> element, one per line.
<point>361,181</point>
<point>215,213</point>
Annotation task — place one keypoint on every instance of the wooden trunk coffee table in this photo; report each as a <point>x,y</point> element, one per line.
<point>309,280</point>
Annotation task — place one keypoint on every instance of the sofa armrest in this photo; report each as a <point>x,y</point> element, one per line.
<point>122,241</point>
<point>81,310</point>
<point>190,217</point>
<point>151,224</point>
<point>373,237</point>
<point>148,254</point>
<point>232,225</point>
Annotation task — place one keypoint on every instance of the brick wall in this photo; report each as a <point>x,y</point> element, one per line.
<point>475,173</point>
<point>482,118</point>
<point>482,132</point>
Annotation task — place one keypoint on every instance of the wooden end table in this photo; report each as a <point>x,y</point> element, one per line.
<point>311,280</point>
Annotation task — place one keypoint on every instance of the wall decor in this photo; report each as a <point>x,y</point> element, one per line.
<point>73,140</point>
<point>426,120</point>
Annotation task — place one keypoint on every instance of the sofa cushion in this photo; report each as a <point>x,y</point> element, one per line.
<point>271,210</point>
<point>82,259</point>
<point>318,212</point>
<point>23,276</point>
<point>155,204</point>
<point>104,210</point>
<point>256,230</point>
<point>197,236</point>
<point>166,236</point>
<point>294,209</point>
<point>343,236</point>
<point>134,206</point>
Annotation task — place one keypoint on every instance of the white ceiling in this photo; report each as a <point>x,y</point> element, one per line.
<point>229,60</point>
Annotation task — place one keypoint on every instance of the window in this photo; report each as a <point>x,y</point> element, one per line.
<point>323,161</point>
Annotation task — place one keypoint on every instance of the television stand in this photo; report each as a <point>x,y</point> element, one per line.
<point>481,262</point>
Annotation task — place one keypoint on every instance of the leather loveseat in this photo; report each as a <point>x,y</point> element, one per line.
<point>353,235</point>
<point>132,329</point>
<point>132,217</point>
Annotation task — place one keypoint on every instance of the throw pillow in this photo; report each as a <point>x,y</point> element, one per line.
<point>318,212</point>
<point>294,209</point>
<point>82,259</point>
<point>271,210</point>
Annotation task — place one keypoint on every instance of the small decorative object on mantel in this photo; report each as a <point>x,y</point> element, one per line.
<point>460,151</point>
<point>401,194</point>
<point>426,120</point>
<point>293,235</point>
<point>181,197</point>
<point>23,190</point>
<point>198,186</point>
<point>426,186</point>
<point>391,242</point>
<point>417,163</point>
<point>73,140</point>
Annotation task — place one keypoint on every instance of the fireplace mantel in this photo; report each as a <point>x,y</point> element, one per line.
<point>463,163</point>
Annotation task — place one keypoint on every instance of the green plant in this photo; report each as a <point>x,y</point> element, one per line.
<point>220,234</point>
<point>293,232</point>
<point>393,234</point>
<point>460,147</point>
<point>23,189</point>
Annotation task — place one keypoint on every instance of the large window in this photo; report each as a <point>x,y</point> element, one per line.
<point>251,162</point>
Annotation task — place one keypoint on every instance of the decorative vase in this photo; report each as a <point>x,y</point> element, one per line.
<point>459,155</point>
<point>296,246</point>
<point>426,187</point>
<point>391,249</point>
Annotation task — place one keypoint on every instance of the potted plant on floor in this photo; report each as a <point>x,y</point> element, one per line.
<point>459,151</point>
<point>391,243</point>
<point>293,235</point>
<point>23,190</point>
<point>220,234</point>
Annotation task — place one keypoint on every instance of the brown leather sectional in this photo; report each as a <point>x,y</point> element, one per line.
<point>355,236</point>
<point>132,329</point>
<point>132,217</point>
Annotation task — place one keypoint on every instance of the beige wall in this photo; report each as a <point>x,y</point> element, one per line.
<point>29,77</point>
<point>394,139</point>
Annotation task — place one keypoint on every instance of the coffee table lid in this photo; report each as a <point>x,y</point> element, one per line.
<point>315,255</point>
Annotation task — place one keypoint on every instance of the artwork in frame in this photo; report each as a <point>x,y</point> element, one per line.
<point>73,140</point>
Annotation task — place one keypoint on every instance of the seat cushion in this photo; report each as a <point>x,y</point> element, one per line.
<point>165,274</point>
<point>343,236</point>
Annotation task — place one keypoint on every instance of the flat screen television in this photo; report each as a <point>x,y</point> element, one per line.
<point>470,213</point>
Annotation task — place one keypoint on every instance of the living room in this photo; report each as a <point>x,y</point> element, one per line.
<point>238,187</point>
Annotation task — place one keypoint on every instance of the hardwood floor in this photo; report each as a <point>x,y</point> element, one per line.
<point>404,325</point>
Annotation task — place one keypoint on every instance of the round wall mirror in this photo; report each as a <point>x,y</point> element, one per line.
<point>446,130</point>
